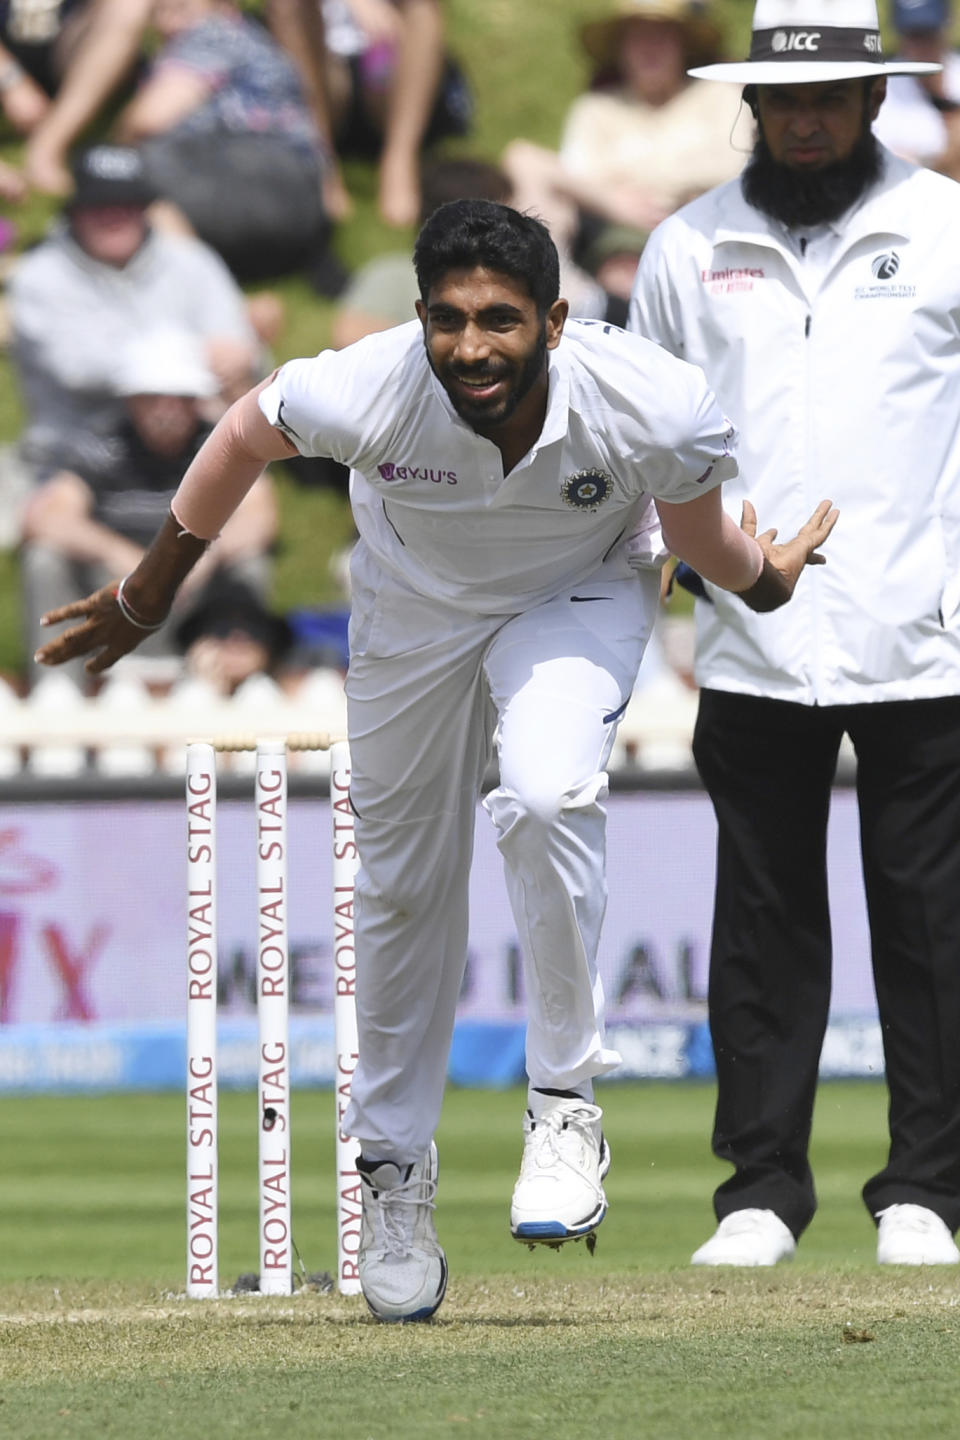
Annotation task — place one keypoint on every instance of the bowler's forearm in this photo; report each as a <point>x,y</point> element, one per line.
<point>703,534</point>
<point>150,588</point>
<point>226,466</point>
<point>216,482</point>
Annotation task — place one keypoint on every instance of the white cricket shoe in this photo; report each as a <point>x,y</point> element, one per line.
<point>403,1270</point>
<point>913,1235</point>
<point>747,1237</point>
<point>559,1195</point>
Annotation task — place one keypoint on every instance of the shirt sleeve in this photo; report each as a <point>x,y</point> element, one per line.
<point>703,451</point>
<point>309,402</point>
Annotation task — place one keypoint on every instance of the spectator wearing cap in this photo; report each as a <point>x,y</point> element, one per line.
<point>91,523</point>
<point>102,276</point>
<point>920,118</point>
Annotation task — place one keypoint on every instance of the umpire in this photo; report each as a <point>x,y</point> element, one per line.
<point>820,293</point>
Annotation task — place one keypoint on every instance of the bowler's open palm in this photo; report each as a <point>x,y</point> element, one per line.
<point>790,558</point>
<point>104,634</point>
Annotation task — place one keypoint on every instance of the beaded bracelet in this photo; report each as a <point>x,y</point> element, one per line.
<point>131,616</point>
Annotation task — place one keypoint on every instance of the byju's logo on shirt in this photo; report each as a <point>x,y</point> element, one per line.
<point>586,489</point>
<point>883,268</point>
<point>390,471</point>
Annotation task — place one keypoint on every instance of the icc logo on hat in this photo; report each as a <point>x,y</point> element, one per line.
<point>800,42</point>
<point>794,40</point>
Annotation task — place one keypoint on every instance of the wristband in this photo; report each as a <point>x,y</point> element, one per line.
<point>131,617</point>
<point>768,592</point>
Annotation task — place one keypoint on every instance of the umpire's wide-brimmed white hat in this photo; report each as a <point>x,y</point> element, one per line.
<point>804,42</point>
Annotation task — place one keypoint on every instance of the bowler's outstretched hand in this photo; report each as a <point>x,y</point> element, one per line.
<point>784,564</point>
<point>104,634</point>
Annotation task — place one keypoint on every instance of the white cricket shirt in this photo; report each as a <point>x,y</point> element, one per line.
<point>625,422</point>
<point>841,367</point>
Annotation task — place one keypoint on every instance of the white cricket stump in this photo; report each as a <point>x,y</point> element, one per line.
<point>273,1003</point>
<point>201,795</point>
<point>345,865</point>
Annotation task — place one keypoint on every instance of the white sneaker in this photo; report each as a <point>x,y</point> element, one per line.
<point>913,1235</point>
<point>559,1195</point>
<point>403,1271</point>
<point>747,1237</point>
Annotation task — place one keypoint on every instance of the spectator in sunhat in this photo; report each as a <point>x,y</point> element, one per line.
<point>820,294</point>
<point>642,140</point>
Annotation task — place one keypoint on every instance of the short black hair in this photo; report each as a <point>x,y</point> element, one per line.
<point>466,233</point>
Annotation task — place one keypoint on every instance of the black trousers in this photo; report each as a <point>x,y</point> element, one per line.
<point>768,766</point>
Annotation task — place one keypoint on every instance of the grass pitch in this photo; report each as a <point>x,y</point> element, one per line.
<point>97,1341</point>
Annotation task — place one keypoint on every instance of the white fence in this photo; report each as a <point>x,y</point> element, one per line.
<point>129,730</point>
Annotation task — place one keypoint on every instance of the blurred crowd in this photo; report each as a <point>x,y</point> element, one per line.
<point>196,148</point>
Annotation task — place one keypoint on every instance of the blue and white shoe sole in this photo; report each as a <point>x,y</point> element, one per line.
<point>553,1233</point>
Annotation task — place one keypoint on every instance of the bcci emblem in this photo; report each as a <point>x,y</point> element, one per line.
<point>586,490</point>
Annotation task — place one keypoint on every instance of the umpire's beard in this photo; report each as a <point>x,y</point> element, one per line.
<point>815,197</point>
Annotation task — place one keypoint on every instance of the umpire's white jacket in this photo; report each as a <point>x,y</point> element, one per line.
<point>841,367</point>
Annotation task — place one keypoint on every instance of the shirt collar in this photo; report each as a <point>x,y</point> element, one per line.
<point>556,422</point>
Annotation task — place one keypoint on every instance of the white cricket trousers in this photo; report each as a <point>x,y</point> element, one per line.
<point>428,686</point>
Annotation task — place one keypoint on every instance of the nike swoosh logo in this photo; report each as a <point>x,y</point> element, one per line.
<point>287,429</point>
<point>585,599</point>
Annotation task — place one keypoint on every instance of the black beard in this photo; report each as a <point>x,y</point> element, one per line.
<point>797,197</point>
